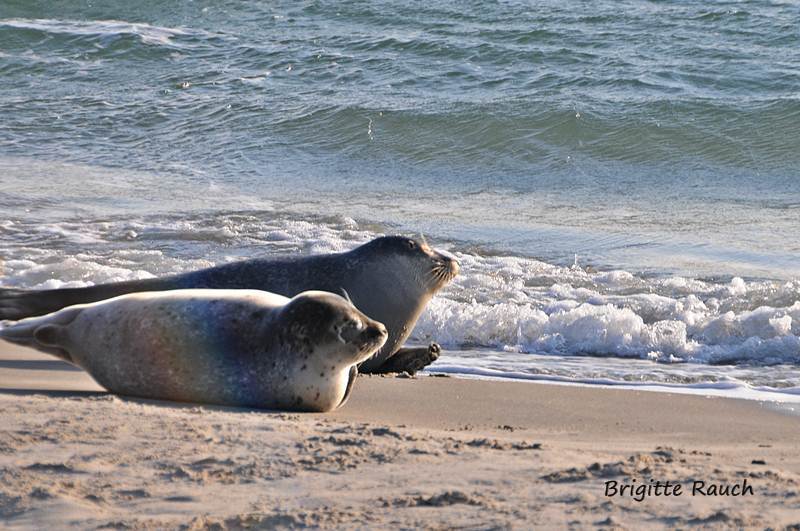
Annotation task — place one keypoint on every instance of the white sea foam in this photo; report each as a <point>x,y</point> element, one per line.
<point>520,304</point>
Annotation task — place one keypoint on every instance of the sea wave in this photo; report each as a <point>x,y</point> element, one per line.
<point>103,32</point>
<point>523,305</point>
<point>512,93</point>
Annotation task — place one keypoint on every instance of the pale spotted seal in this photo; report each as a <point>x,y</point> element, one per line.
<point>390,279</point>
<point>231,347</point>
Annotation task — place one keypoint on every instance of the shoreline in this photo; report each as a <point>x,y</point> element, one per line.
<point>403,452</point>
<point>787,403</point>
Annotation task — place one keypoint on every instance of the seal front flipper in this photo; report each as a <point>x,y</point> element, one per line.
<point>409,359</point>
<point>351,380</point>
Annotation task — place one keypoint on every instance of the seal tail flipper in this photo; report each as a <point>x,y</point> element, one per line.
<point>20,333</point>
<point>48,334</point>
<point>16,304</point>
<point>9,302</point>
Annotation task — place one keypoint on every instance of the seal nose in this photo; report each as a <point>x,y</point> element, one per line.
<point>375,330</point>
<point>451,262</point>
<point>455,265</point>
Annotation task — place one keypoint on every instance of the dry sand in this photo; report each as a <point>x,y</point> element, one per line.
<point>403,453</point>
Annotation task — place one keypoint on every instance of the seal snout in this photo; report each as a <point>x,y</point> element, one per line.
<point>374,335</point>
<point>446,267</point>
<point>376,330</point>
<point>451,263</point>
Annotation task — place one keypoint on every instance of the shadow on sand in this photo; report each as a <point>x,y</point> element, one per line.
<point>51,393</point>
<point>142,401</point>
<point>38,365</point>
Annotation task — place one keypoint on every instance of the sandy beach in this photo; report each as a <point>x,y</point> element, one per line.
<point>425,452</point>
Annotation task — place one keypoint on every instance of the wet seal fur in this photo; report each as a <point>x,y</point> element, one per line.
<point>391,279</point>
<point>230,347</point>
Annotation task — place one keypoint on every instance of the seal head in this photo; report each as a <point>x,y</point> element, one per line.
<point>400,276</point>
<point>329,338</point>
<point>327,325</point>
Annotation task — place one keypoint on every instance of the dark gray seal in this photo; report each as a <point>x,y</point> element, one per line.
<point>231,347</point>
<point>390,279</point>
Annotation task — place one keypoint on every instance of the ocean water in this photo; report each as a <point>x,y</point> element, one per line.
<point>619,179</point>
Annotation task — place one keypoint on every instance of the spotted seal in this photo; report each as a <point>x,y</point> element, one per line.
<point>231,347</point>
<point>391,279</point>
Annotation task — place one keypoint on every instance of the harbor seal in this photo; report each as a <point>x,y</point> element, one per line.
<point>391,279</point>
<point>243,348</point>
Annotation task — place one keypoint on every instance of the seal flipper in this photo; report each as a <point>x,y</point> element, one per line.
<point>350,382</point>
<point>409,359</point>
<point>47,334</point>
<point>10,304</point>
<point>50,335</point>
<point>52,340</point>
<point>16,304</point>
<point>26,337</point>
